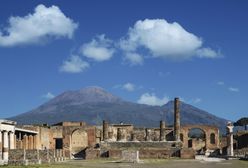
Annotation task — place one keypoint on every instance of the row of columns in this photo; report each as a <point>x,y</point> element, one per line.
<point>27,142</point>
<point>121,133</point>
<point>7,141</point>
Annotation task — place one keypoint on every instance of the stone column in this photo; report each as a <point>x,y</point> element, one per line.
<point>229,139</point>
<point>5,146</point>
<point>105,130</point>
<point>25,142</point>
<point>30,142</point>
<point>35,142</point>
<point>1,146</point>
<point>162,131</point>
<point>148,135</point>
<point>176,119</point>
<point>11,140</point>
<point>134,137</point>
<point>120,134</point>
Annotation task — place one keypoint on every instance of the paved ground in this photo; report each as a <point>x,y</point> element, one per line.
<point>145,164</point>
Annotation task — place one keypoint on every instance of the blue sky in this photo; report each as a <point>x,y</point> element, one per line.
<point>143,51</point>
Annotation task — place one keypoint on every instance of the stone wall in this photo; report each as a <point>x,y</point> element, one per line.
<point>146,149</point>
<point>138,145</point>
<point>208,130</point>
<point>187,153</point>
<point>91,153</point>
<point>26,157</point>
<point>147,153</point>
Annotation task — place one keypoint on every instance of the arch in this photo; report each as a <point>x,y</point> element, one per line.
<point>197,139</point>
<point>197,133</point>
<point>79,139</point>
<point>212,138</point>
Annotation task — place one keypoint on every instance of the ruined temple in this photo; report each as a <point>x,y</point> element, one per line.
<point>26,144</point>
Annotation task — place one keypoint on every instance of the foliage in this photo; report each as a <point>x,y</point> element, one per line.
<point>242,122</point>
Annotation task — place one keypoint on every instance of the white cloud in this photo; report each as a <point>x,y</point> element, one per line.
<point>99,49</point>
<point>34,28</point>
<point>49,95</point>
<point>134,58</point>
<point>196,100</point>
<point>152,99</point>
<point>220,83</point>
<point>74,65</point>
<point>207,53</point>
<point>233,89</point>
<point>165,40</point>
<point>129,87</point>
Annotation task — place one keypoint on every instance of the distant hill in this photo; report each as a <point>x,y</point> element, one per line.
<point>93,104</point>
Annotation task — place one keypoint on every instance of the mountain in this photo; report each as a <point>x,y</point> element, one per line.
<point>93,104</point>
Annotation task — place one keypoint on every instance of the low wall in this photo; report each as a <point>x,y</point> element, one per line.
<point>139,145</point>
<point>147,153</point>
<point>26,157</point>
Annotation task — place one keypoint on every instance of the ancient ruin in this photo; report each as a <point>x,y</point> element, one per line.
<point>30,144</point>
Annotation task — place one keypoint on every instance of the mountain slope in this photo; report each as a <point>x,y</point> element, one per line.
<point>94,104</point>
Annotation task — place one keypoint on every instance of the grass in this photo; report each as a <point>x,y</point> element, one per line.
<point>146,163</point>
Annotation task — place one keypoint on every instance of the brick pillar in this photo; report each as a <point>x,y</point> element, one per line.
<point>105,130</point>
<point>148,135</point>
<point>5,146</point>
<point>162,131</point>
<point>176,119</point>
<point>11,140</point>
<point>1,146</point>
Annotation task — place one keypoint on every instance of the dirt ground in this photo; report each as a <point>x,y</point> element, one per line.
<point>145,164</point>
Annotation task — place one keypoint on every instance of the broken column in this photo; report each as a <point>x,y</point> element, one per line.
<point>229,139</point>
<point>148,134</point>
<point>134,137</point>
<point>176,119</point>
<point>162,131</point>
<point>121,134</point>
<point>105,130</point>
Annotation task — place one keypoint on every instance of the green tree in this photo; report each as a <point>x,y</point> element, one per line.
<point>242,122</point>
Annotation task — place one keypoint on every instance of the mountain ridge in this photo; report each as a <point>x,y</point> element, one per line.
<point>94,104</point>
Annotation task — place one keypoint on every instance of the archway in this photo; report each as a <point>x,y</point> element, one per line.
<point>197,140</point>
<point>79,141</point>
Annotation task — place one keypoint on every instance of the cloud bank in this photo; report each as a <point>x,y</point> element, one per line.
<point>165,40</point>
<point>99,49</point>
<point>74,65</point>
<point>45,22</point>
<point>152,99</point>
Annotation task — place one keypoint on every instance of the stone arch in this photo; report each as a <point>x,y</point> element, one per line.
<point>79,140</point>
<point>197,139</point>
<point>208,130</point>
<point>196,132</point>
<point>212,138</point>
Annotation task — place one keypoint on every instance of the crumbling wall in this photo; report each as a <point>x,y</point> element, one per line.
<point>26,157</point>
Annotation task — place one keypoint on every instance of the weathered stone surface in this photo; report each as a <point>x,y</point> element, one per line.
<point>130,156</point>
<point>187,153</point>
<point>92,153</point>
